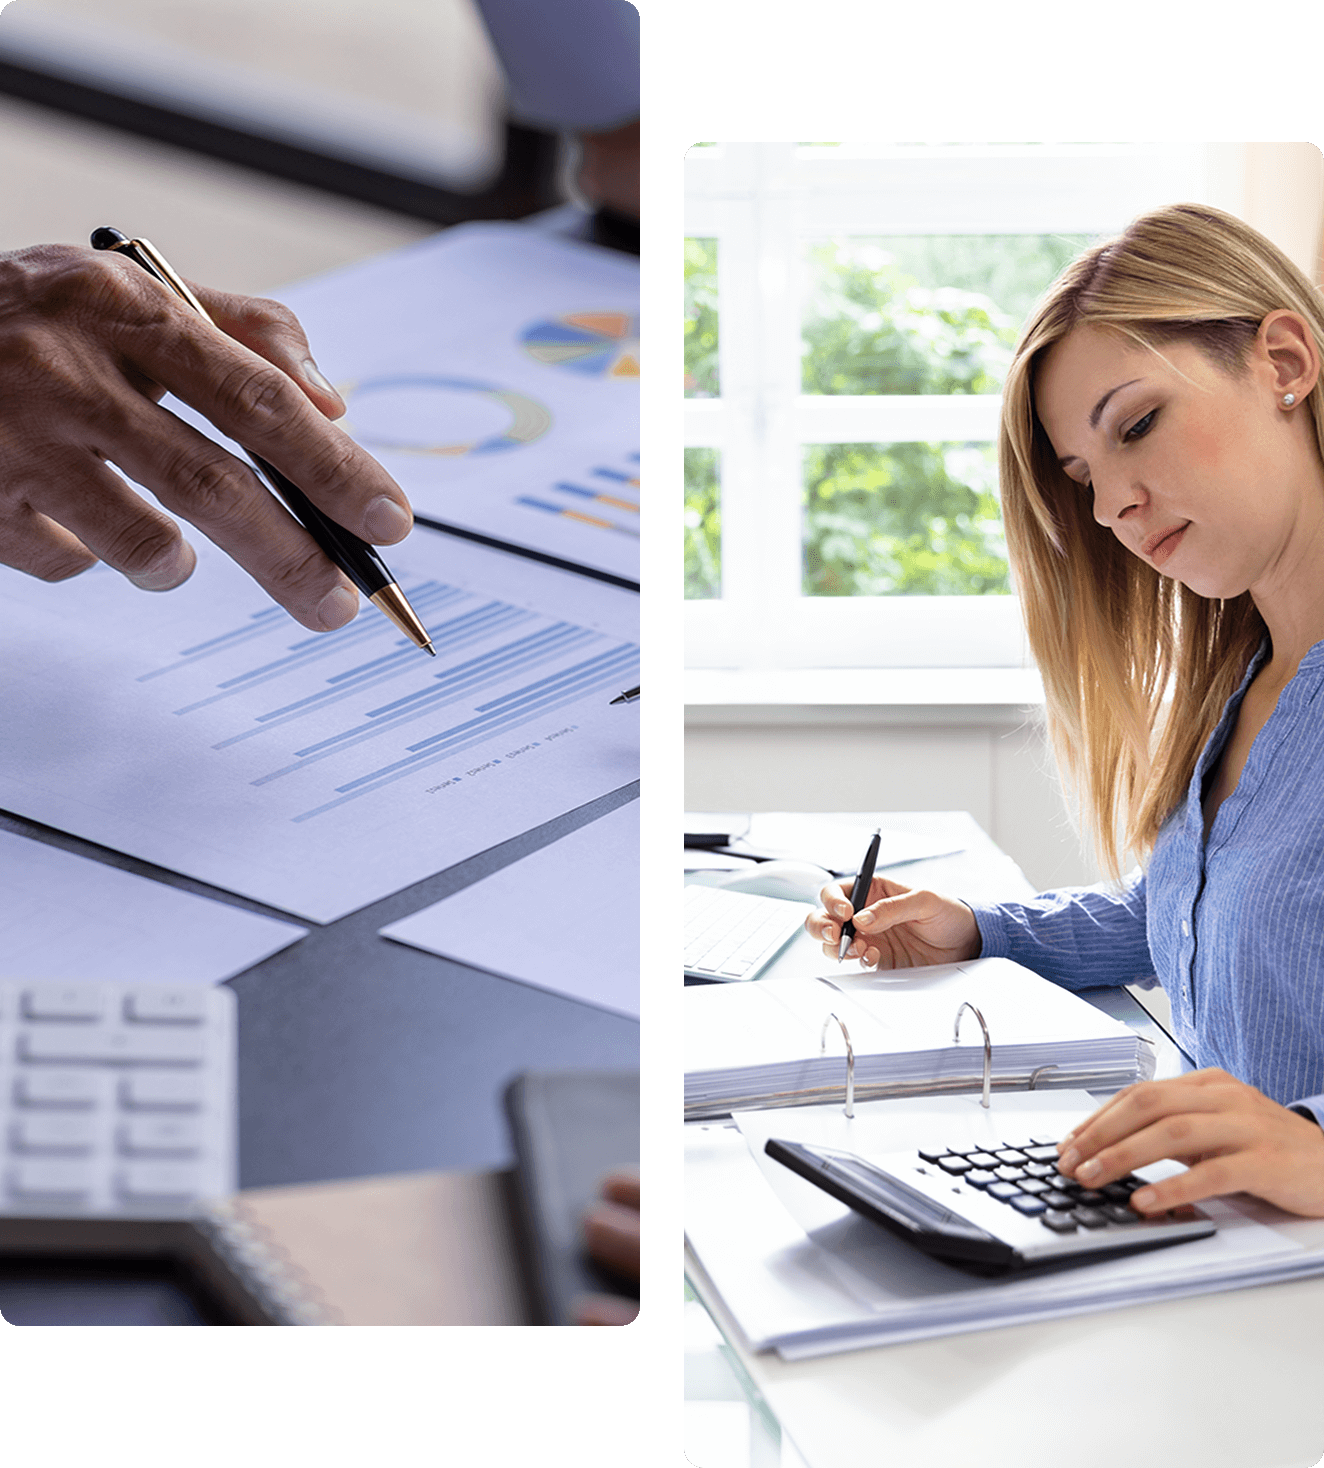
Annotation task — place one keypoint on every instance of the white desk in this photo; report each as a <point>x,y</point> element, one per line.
<point>1221,1381</point>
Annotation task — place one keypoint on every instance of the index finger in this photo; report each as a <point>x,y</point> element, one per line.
<point>262,409</point>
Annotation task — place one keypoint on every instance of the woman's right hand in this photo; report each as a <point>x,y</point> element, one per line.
<point>898,927</point>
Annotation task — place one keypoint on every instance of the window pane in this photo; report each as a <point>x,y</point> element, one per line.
<point>703,524</point>
<point>902,519</point>
<point>701,319</point>
<point>930,315</point>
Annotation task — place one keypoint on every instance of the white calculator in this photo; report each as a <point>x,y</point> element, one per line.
<point>116,1100</point>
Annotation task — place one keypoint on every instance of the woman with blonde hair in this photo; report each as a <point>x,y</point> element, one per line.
<point>1162,472</point>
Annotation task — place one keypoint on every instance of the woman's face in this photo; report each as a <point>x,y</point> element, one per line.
<point>1199,473</point>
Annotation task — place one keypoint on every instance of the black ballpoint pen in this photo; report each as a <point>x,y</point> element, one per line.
<point>631,695</point>
<point>859,892</point>
<point>355,557</point>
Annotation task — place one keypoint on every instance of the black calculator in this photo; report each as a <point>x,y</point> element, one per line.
<point>991,1209</point>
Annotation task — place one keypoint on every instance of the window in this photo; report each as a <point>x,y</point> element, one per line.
<point>850,312</point>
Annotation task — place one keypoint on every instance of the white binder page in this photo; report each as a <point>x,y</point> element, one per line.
<point>206,731</point>
<point>519,921</point>
<point>68,917</point>
<point>494,371</point>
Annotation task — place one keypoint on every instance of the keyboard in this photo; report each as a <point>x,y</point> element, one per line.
<point>116,1100</point>
<point>991,1209</point>
<point>730,936</point>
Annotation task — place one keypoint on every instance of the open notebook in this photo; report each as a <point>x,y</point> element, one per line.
<point>774,1043</point>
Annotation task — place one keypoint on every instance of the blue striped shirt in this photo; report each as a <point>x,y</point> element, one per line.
<point>1233,930</point>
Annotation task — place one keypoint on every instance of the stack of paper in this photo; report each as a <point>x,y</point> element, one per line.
<point>804,1275</point>
<point>763,1044</point>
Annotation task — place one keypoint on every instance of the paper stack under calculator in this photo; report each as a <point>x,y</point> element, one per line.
<point>762,1044</point>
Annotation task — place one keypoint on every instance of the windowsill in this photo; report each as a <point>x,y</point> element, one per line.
<point>998,694</point>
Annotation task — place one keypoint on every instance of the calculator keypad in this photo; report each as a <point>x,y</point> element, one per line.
<point>1025,1177</point>
<point>115,1099</point>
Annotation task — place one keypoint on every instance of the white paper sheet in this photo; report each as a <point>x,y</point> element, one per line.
<point>837,844</point>
<point>204,730</point>
<point>519,922</point>
<point>494,371</point>
<point>68,917</point>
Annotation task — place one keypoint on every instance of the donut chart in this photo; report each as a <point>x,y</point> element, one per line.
<point>402,414</point>
<point>596,343</point>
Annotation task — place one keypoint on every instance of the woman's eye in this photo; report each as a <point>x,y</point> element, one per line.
<point>1142,426</point>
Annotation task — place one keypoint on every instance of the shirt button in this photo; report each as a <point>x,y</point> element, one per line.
<point>1185,928</point>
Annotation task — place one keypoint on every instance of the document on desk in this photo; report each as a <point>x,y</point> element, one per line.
<point>69,917</point>
<point>515,923</point>
<point>494,371</point>
<point>763,1044</point>
<point>207,732</point>
<point>806,1276</point>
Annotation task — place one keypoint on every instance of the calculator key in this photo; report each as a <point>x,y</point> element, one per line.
<point>1011,1154</point>
<point>63,1001</point>
<point>979,1177</point>
<point>161,1091</point>
<point>954,1165</point>
<point>66,1089</point>
<point>1041,1169</point>
<point>1058,1221</point>
<point>982,1159</point>
<point>1057,1199</point>
<point>127,1047</point>
<point>1089,1197</point>
<point>1005,1191</point>
<point>1028,1205</point>
<point>1041,1154</point>
<point>1033,1185</point>
<point>1120,1213</point>
<point>51,1180</point>
<point>1010,1174</point>
<point>54,1134</point>
<point>931,1154</point>
<point>166,1006</point>
<point>163,1136</point>
<point>158,1180</point>
<point>1121,1190</point>
<point>1090,1217</point>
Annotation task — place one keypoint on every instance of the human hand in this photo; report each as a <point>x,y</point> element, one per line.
<point>89,343</point>
<point>611,1231</point>
<point>1232,1138</point>
<point>609,168</point>
<point>897,927</point>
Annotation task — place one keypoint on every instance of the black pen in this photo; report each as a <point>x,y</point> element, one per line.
<point>859,892</point>
<point>355,557</point>
<point>631,695</point>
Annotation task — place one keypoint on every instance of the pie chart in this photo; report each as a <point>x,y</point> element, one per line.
<point>449,417</point>
<point>596,343</point>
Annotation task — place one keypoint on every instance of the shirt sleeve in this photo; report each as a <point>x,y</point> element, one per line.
<point>1079,937</point>
<point>572,65</point>
<point>1311,1107</point>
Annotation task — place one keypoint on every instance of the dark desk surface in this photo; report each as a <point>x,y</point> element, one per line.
<point>360,1056</point>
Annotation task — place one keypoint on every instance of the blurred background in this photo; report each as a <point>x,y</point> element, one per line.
<point>853,640</point>
<point>259,143</point>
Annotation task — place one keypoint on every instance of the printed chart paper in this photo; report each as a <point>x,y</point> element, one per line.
<point>206,731</point>
<point>68,917</point>
<point>515,923</point>
<point>494,372</point>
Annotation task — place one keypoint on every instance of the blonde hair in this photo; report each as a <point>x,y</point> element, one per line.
<point>1112,638</point>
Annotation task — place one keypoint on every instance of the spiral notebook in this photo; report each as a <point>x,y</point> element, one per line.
<point>785,1042</point>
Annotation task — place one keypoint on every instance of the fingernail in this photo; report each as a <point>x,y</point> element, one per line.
<point>338,607</point>
<point>1067,1161</point>
<point>863,919</point>
<point>386,521</point>
<point>314,375</point>
<point>1143,1198</point>
<point>828,935</point>
<point>169,570</point>
<point>1089,1169</point>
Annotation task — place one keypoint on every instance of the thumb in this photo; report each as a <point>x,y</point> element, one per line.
<point>272,331</point>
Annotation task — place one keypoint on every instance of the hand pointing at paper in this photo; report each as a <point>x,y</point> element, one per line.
<point>88,345</point>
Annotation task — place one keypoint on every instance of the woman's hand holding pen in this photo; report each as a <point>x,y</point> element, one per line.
<point>88,345</point>
<point>898,927</point>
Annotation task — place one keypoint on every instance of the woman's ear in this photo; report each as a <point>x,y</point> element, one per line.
<point>1289,345</point>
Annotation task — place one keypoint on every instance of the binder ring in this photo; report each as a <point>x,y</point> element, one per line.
<point>988,1046</point>
<point>850,1060</point>
<point>1035,1074</point>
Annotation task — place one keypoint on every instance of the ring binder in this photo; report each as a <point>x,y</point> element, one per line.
<point>850,1060</point>
<point>988,1049</point>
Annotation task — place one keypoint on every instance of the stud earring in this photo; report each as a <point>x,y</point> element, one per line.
<point>1288,399</point>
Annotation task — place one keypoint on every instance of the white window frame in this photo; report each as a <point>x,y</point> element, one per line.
<point>759,200</point>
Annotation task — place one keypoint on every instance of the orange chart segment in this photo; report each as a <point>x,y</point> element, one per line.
<point>596,343</point>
